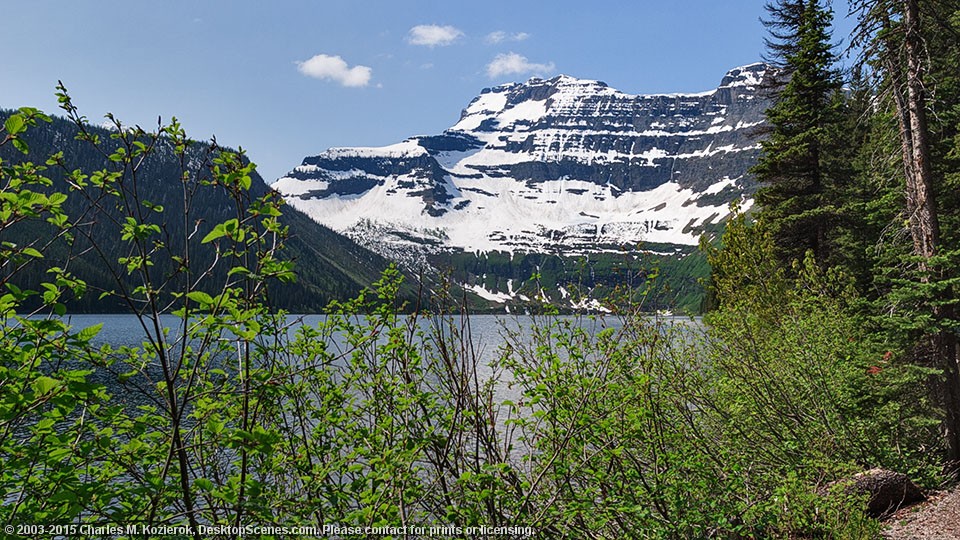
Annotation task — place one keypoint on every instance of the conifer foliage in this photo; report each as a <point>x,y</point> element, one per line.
<point>912,45</point>
<point>799,169</point>
<point>861,178</point>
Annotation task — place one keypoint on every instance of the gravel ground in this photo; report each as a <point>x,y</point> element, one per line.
<point>936,519</point>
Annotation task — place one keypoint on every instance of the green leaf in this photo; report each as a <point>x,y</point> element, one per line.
<point>238,270</point>
<point>32,252</point>
<point>90,332</point>
<point>35,114</point>
<point>15,124</point>
<point>60,452</point>
<point>56,199</point>
<point>203,484</point>
<point>200,297</point>
<point>21,146</point>
<point>43,385</point>
<point>215,426</point>
<point>217,232</point>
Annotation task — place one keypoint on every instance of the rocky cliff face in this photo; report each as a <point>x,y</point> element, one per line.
<point>562,165</point>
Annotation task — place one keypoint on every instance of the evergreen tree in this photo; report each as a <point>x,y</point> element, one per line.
<point>802,163</point>
<point>913,46</point>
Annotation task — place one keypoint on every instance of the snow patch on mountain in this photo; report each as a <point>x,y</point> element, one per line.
<point>489,295</point>
<point>560,165</point>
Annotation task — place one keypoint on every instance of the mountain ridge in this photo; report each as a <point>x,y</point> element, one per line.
<point>556,164</point>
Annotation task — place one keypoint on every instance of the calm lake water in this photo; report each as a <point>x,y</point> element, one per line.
<point>487,335</point>
<point>487,331</point>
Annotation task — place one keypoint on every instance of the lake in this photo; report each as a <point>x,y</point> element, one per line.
<point>487,335</point>
<point>487,332</point>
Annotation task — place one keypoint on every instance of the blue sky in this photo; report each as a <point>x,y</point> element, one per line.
<point>287,79</point>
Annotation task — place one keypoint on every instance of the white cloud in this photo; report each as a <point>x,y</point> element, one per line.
<point>500,36</point>
<point>335,69</point>
<point>514,64</point>
<point>433,35</point>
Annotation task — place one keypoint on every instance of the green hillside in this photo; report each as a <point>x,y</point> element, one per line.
<point>660,277</point>
<point>328,266</point>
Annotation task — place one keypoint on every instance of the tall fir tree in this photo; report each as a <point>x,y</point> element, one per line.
<point>802,165</point>
<point>913,46</point>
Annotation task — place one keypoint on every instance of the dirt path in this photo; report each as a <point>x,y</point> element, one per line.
<point>936,519</point>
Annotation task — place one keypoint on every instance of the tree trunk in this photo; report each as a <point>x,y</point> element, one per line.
<point>924,225</point>
<point>923,219</point>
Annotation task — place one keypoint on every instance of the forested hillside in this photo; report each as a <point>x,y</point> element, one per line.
<point>329,266</point>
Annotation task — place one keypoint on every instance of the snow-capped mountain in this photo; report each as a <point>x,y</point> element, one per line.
<point>558,165</point>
